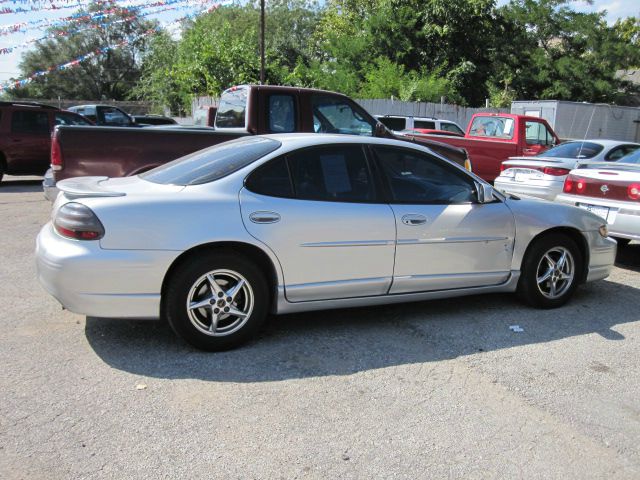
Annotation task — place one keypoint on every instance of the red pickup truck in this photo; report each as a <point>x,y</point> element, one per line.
<point>242,110</point>
<point>491,138</point>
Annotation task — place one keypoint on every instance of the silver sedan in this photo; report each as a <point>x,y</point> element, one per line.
<point>216,240</point>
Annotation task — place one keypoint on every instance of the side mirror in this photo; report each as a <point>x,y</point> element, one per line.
<point>485,193</point>
<point>380,130</point>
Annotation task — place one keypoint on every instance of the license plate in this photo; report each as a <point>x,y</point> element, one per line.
<point>602,212</point>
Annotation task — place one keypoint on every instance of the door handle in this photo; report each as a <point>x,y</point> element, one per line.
<point>413,219</point>
<point>264,217</point>
<point>529,150</point>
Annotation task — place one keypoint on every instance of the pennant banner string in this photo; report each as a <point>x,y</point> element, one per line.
<point>101,25</point>
<point>100,51</point>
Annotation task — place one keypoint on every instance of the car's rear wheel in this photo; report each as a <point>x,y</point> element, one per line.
<point>217,301</point>
<point>550,271</point>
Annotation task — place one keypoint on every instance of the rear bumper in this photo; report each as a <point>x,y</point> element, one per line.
<point>540,189</point>
<point>49,187</point>
<point>89,280</point>
<point>623,220</point>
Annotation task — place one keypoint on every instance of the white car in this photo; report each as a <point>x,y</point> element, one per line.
<point>400,123</point>
<point>611,191</point>
<point>543,175</point>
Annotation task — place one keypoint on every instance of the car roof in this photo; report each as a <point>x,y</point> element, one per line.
<point>603,142</point>
<point>292,141</point>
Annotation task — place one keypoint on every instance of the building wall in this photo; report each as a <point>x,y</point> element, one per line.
<point>573,120</point>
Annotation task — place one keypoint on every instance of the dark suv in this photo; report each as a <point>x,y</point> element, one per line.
<point>25,135</point>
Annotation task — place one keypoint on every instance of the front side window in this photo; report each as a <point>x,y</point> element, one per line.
<point>62,118</point>
<point>24,121</point>
<point>212,163</point>
<point>282,114</point>
<point>335,115</point>
<point>335,173</point>
<point>415,177</point>
<point>232,109</point>
<point>114,116</point>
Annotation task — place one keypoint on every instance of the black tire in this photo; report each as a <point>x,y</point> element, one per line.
<point>557,289</point>
<point>190,284</point>
<point>622,241</point>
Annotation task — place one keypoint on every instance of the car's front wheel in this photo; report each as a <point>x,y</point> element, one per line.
<point>216,301</point>
<point>550,271</point>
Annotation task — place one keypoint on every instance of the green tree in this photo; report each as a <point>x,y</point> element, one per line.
<point>110,75</point>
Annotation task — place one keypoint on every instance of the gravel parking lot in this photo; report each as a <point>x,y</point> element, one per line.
<point>440,389</point>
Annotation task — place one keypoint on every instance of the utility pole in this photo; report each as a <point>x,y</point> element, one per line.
<point>261,42</point>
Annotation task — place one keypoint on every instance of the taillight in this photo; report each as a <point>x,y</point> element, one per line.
<point>56,153</point>
<point>633,191</point>
<point>556,172</point>
<point>568,185</point>
<point>503,167</point>
<point>581,185</point>
<point>77,221</point>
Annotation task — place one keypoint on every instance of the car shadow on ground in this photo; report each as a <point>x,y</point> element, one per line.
<point>20,186</point>
<point>343,342</point>
<point>628,257</point>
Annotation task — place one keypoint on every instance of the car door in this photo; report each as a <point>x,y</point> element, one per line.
<point>317,210</point>
<point>445,238</point>
<point>29,141</point>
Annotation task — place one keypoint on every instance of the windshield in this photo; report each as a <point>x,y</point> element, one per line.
<point>212,163</point>
<point>573,150</point>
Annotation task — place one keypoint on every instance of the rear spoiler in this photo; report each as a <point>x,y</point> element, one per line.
<point>86,187</point>
<point>629,167</point>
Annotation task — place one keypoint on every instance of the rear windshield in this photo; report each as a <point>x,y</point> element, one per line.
<point>574,150</point>
<point>212,163</point>
<point>232,109</point>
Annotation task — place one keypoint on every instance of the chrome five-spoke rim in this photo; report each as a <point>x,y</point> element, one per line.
<point>220,302</point>
<point>555,272</point>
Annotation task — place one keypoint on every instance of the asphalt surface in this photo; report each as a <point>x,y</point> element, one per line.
<point>440,389</point>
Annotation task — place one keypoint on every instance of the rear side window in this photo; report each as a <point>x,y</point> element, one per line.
<point>212,163</point>
<point>62,118</point>
<point>232,109</point>
<point>424,124</point>
<point>282,114</point>
<point>451,127</point>
<point>271,179</point>
<point>393,123</point>
<point>619,152</point>
<point>30,122</point>
<point>337,174</point>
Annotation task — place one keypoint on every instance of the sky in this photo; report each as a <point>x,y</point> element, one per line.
<point>9,62</point>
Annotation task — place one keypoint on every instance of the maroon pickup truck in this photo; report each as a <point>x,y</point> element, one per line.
<point>243,110</point>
